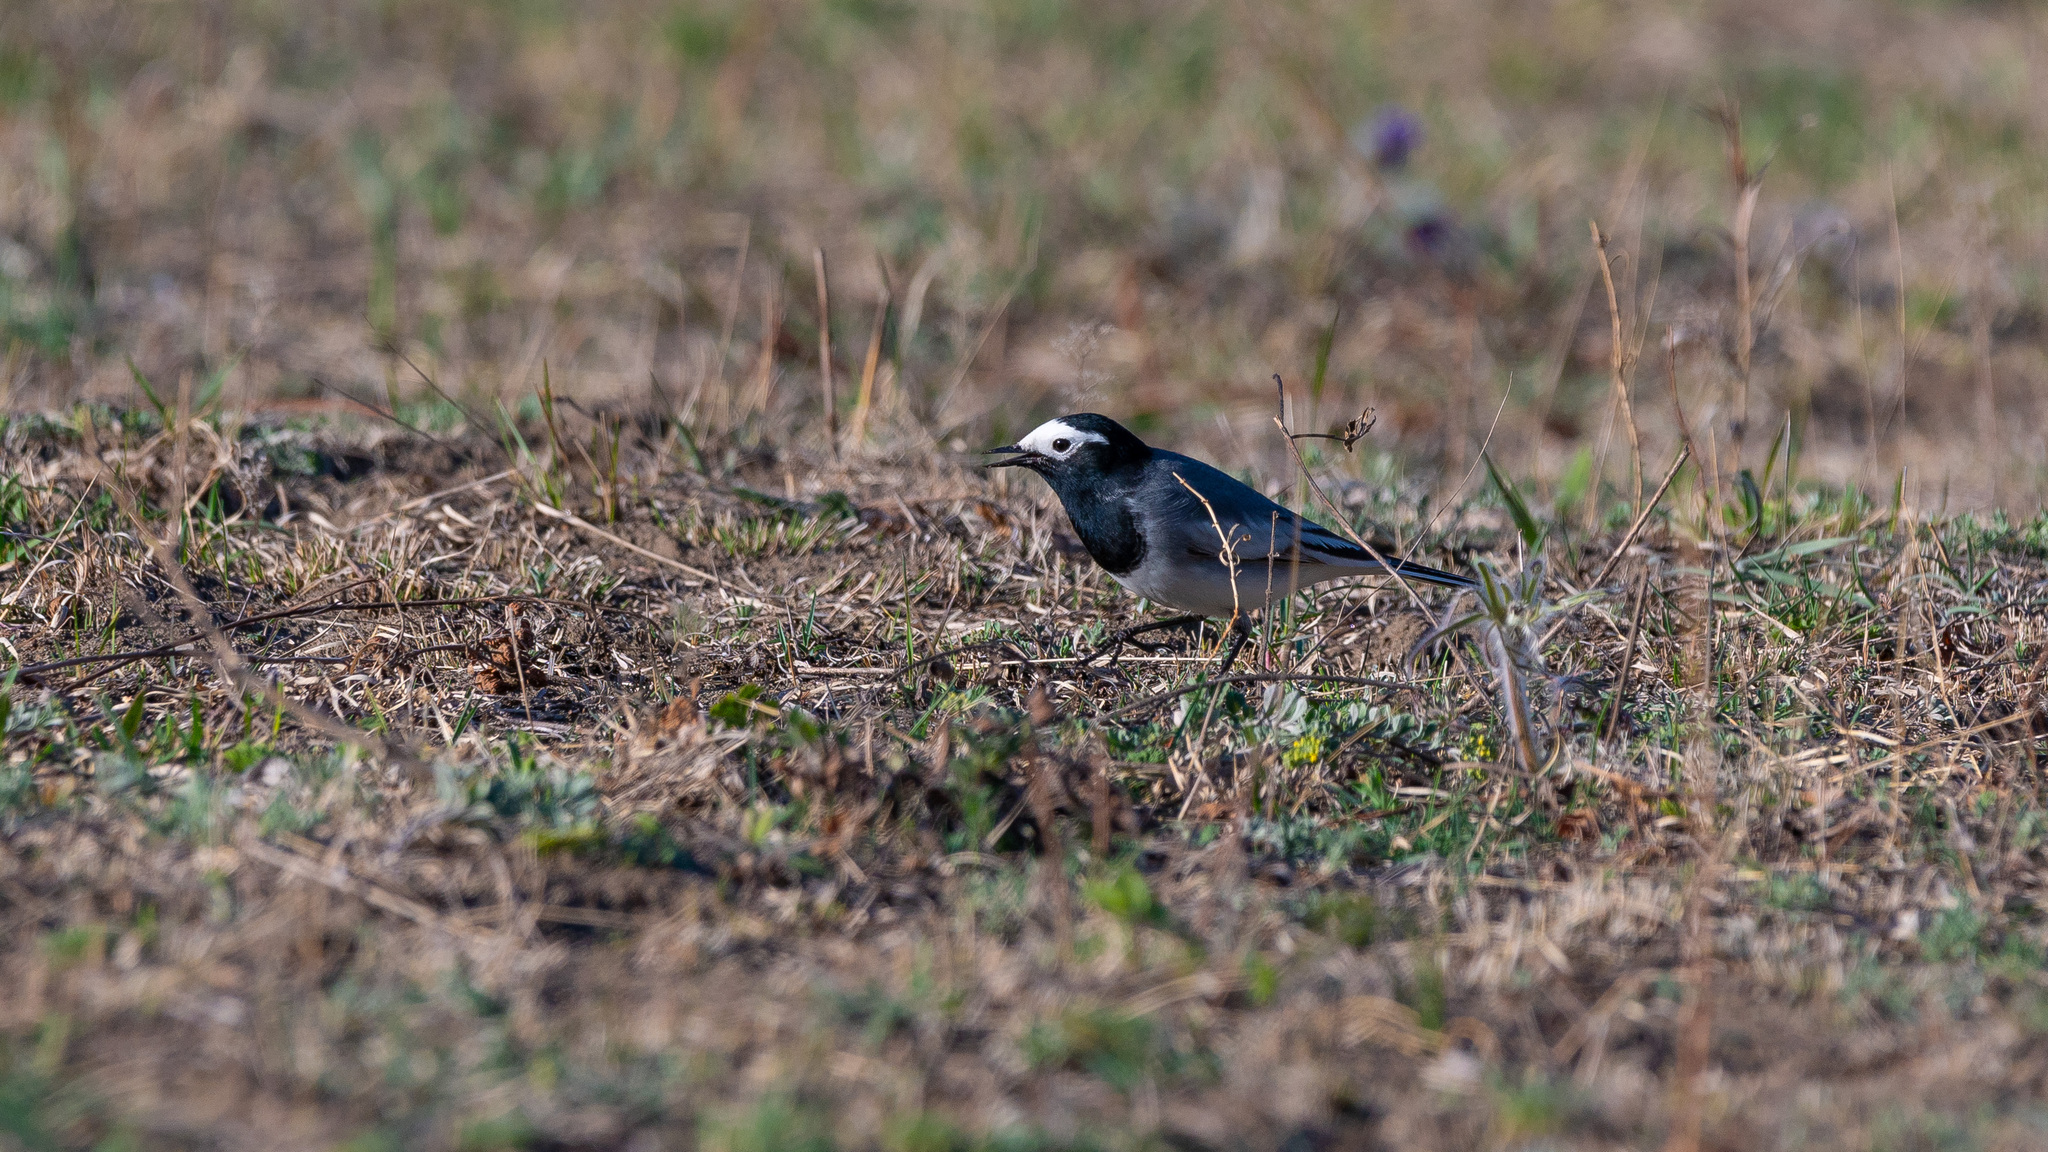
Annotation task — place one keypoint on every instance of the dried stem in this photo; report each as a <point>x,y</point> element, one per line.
<point>1628,659</point>
<point>1515,699</point>
<point>1748,184</point>
<point>1620,360</point>
<point>1337,516</point>
<point>859,432</point>
<point>1642,517</point>
<point>825,351</point>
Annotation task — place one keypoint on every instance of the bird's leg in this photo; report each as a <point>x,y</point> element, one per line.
<point>1240,631</point>
<point>1130,635</point>
<point>1116,641</point>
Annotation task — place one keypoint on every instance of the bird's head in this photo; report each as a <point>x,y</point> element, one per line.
<point>1073,446</point>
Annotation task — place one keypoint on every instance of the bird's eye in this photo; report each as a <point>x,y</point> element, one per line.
<point>1062,445</point>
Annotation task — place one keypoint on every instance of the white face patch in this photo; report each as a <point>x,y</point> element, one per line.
<point>1059,440</point>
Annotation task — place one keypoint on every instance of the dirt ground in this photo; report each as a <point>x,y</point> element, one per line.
<point>760,857</point>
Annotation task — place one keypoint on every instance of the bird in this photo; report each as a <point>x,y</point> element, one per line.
<point>1181,533</point>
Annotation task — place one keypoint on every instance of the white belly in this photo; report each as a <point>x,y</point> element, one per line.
<point>1206,587</point>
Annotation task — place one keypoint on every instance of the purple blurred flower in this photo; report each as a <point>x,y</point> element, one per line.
<point>1389,137</point>
<point>1431,235</point>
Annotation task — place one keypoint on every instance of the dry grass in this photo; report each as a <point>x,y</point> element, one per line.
<point>749,855</point>
<point>522,753</point>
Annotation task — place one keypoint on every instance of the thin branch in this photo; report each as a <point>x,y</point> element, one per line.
<point>1354,431</point>
<point>1228,554</point>
<point>825,351</point>
<point>443,494</point>
<point>1342,521</point>
<point>1628,660</point>
<point>1642,518</point>
<point>1008,646</point>
<point>376,411</point>
<point>579,522</point>
<point>1619,361</point>
<point>391,347</point>
<point>1260,678</point>
<point>124,658</point>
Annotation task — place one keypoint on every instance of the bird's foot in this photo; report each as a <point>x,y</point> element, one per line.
<point>1240,631</point>
<point>1118,640</point>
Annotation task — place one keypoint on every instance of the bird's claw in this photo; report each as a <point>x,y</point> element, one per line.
<point>1115,644</point>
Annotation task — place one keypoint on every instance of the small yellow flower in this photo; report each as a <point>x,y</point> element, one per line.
<point>1479,746</point>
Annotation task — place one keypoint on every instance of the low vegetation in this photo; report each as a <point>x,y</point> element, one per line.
<point>471,819</point>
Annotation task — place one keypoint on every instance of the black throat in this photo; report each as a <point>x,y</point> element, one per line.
<point>1101,515</point>
<point>1096,484</point>
<point>1097,495</point>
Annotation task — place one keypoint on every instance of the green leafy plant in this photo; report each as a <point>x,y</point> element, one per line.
<point>1351,917</point>
<point>1508,613</point>
<point>1124,894</point>
<point>1120,1049</point>
<point>1531,530</point>
<point>531,790</point>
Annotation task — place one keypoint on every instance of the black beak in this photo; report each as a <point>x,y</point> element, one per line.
<point>1020,457</point>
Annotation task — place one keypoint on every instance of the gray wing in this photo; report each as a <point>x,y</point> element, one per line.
<point>1257,527</point>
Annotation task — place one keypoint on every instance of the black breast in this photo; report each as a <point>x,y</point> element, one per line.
<point>1110,533</point>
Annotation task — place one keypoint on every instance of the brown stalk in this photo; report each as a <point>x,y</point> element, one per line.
<point>1745,319</point>
<point>859,432</point>
<point>547,410</point>
<point>732,316</point>
<point>1620,360</point>
<point>825,351</point>
<point>764,368</point>
<point>1748,187</point>
<point>1101,815</point>
<point>1337,517</point>
<point>1642,517</point>
<point>1980,359</point>
<point>1515,700</point>
<point>1628,659</point>
<point>1555,357</point>
<point>1899,292</point>
<point>181,446</point>
<point>1695,1037</point>
<point>515,641</point>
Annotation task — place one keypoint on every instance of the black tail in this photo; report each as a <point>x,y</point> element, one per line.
<point>1428,575</point>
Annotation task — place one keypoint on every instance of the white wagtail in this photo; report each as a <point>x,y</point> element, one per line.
<point>1174,530</point>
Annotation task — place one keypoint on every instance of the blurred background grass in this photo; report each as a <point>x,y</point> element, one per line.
<point>1138,207</point>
